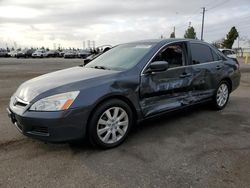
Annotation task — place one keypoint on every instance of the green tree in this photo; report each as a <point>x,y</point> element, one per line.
<point>230,38</point>
<point>172,35</point>
<point>190,33</point>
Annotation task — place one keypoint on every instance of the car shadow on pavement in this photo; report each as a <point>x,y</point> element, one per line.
<point>153,126</point>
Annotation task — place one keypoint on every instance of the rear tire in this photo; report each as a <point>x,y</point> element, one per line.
<point>110,123</point>
<point>221,96</point>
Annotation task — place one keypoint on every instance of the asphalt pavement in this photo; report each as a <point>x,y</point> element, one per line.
<point>198,147</point>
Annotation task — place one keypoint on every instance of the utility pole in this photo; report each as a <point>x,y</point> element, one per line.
<point>203,18</point>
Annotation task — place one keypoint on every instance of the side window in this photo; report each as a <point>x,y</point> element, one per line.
<point>216,57</point>
<point>200,53</point>
<point>173,54</point>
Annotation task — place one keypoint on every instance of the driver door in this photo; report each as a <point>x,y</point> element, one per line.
<point>166,90</point>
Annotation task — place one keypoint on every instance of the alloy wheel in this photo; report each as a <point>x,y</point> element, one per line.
<point>112,125</point>
<point>222,95</point>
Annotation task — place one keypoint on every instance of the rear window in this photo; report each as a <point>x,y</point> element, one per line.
<point>201,53</point>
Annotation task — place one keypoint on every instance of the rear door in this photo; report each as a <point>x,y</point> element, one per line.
<point>207,67</point>
<point>167,90</point>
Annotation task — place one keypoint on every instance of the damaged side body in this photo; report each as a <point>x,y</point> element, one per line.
<point>186,82</point>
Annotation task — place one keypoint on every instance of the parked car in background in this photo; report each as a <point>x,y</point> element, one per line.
<point>61,53</point>
<point>25,53</point>
<point>229,53</point>
<point>127,84</point>
<point>52,53</point>
<point>39,53</point>
<point>13,53</point>
<point>70,54</point>
<point>83,54</point>
<point>91,57</point>
<point>4,53</point>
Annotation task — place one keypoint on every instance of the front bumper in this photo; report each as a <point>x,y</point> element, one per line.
<point>59,126</point>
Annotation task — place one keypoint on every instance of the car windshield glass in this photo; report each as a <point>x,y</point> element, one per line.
<point>122,57</point>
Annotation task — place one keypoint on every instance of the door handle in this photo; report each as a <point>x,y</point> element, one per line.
<point>218,67</point>
<point>184,75</point>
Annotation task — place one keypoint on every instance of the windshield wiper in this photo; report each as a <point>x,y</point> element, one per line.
<point>101,67</point>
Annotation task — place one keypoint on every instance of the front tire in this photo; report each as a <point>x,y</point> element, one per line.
<point>110,124</point>
<point>221,96</point>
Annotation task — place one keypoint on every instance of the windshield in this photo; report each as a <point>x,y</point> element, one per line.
<point>122,57</point>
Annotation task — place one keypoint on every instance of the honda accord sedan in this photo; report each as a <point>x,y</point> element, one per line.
<point>129,83</point>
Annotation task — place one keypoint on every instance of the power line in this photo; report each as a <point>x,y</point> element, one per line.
<point>223,34</point>
<point>221,27</point>
<point>203,16</point>
<point>180,26</point>
<point>217,5</point>
<point>208,7</point>
<point>195,13</point>
<point>189,18</point>
<point>229,24</point>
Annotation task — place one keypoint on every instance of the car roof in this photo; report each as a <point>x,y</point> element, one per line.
<point>164,41</point>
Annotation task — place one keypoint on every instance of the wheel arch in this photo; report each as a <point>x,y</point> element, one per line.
<point>119,97</point>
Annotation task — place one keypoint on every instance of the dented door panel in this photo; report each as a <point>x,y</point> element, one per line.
<point>165,90</point>
<point>206,77</point>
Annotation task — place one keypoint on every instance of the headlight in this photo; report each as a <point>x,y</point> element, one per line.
<point>56,102</point>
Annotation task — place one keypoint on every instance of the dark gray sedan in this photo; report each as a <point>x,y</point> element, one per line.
<point>129,83</point>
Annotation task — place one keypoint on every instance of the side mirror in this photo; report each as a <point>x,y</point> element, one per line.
<point>157,66</point>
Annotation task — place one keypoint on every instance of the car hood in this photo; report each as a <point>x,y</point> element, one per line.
<point>36,86</point>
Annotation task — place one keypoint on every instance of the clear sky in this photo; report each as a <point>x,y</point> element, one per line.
<point>45,22</point>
